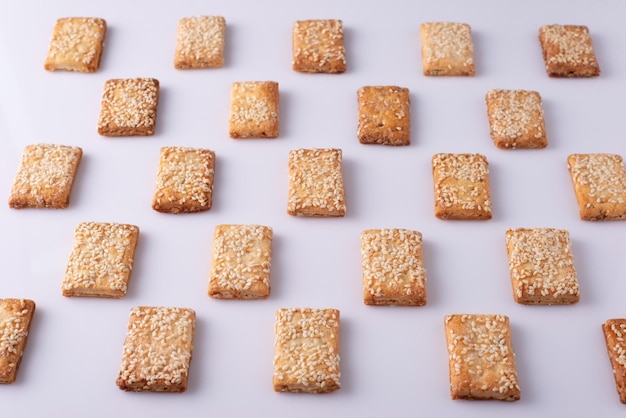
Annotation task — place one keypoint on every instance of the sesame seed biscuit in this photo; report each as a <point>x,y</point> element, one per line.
<point>307,350</point>
<point>481,358</point>
<point>45,176</point>
<point>461,186</point>
<point>447,49</point>
<point>184,180</point>
<point>129,107</point>
<point>542,266</point>
<point>384,115</point>
<point>15,319</point>
<point>240,267</point>
<point>200,42</point>
<point>568,51</point>
<point>600,186</point>
<point>316,183</point>
<point>393,267</point>
<point>101,260</point>
<point>516,119</point>
<point>76,44</point>
<point>614,332</point>
<point>254,109</point>
<point>318,46</point>
<point>157,349</point>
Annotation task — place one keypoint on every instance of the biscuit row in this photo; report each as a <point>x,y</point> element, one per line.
<point>318,47</point>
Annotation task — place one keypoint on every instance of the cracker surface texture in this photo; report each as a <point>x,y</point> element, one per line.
<point>254,110</point>
<point>384,115</point>
<point>614,334</point>
<point>76,44</point>
<point>318,46</point>
<point>15,319</point>
<point>129,107</point>
<point>200,42</point>
<point>568,51</point>
<point>447,49</point>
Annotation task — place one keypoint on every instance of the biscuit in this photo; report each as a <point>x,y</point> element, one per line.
<point>184,180</point>
<point>157,350</point>
<point>316,183</point>
<point>129,107</point>
<point>384,115</point>
<point>240,267</point>
<point>393,267</point>
<point>461,186</point>
<point>516,119</point>
<point>542,266</point>
<point>318,46</point>
<point>307,350</point>
<point>45,176</point>
<point>200,42</point>
<point>254,109</point>
<point>614,332</point>
<point>101,260</point>
<point>76,44</point>
<point>600,186</point>
<point>447,49</point>
<point>15,319</point>
<point>482,361</point>
<point>568,51</point>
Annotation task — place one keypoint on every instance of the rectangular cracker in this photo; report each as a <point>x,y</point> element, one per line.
<point>600,185</point>
<point>200,42</point>
<point>129,107</point>
<point>481,358</point>
<point>568,51</point>
<point>447,49</point>
<point>76,44</point>
<point>254,109</point>
<point>384,115</point>
<point>45,176</point>
<point>461,186</point>
<point>157,350</point>
<point>516,119</point>
<point>16,316</point>
<point>241,260</point>
<point>614,333</point>
<point>542,266</point>
<point>316,183</point>
<point>184,180</point>
<point>101,260</point>
<point>307,350</point>
<point>393,267</point>
<point>318,46</point>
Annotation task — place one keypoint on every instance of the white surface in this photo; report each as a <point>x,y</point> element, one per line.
<point>394,360</point>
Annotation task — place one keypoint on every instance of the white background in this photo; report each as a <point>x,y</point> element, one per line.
<point>394,360</point>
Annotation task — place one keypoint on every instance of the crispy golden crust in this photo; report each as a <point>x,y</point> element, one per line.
<point>447,49</point>
<point>316,183</point>
<point>393,267</point>
<point>254,110</point>
<point>15,319</point>
<point>184,180</point>
<point>516,119</point>
<point>157,350</point>
<point>76,44</point>
<point>614,332</point>
<point>318,46</point>
<point>568,51</point>
<point>307,350</point>
<point>200,42</point>
<point>461,187</point>
<point>240,267</point>
<point>384,115</point>
<point>482,361</point>
<point>101,260</point>
<point>129,107</point>
<point>542,266</point>
<point>45,176</point>
<point>600,186</point>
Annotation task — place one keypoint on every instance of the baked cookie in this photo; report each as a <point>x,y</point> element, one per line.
<point>76,44</point>
<point>45,176</point>
<point>200,42</point>
<point>16,316</point>
<point>157,350</point>
<point>254,110</point>
<point>307,350</point>
<point>318,46</point>
<point>384,115</point>
<point>614,333</point>
<point>568,51</point>
<point>447,49</point>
